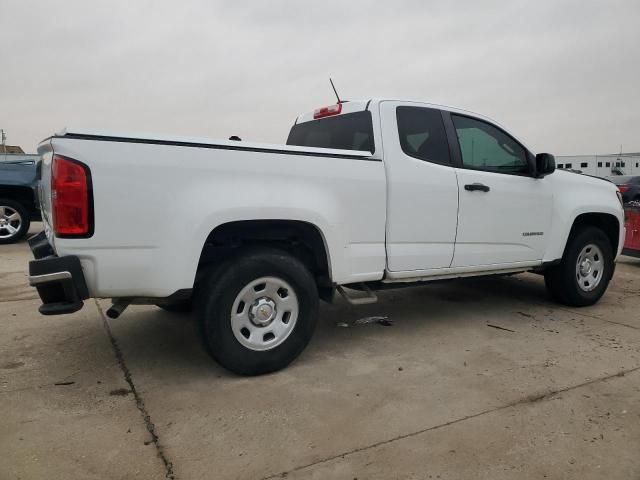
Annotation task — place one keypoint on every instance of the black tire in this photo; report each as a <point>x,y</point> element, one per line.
<point>5,235</point>
<point>562,280</point>
<point>183,306</point>
<point>215,298</point>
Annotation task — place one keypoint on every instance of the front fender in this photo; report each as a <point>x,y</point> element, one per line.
<point>576,195</point>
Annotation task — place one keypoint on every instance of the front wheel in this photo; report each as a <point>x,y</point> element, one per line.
<point>586,268</point>
<point>258,312</point>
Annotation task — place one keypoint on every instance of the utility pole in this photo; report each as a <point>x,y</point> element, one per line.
<point>3,136</point>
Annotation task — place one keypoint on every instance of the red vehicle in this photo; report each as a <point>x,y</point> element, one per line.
<point>632,224</point>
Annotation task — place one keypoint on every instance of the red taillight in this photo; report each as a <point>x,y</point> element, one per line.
<point>327,111</point>
<point>623,188</point>
<point>70,198</point>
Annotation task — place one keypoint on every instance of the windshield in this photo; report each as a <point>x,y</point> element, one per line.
<point>351,131</point>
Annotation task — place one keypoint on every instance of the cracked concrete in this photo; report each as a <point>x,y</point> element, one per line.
<point>553,392</point>
<point>328,463</point>
<point>58,419</point>
<point>151,428</point>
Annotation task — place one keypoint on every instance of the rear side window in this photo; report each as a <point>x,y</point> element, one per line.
<point>351,131</point>
<point>422,134</point>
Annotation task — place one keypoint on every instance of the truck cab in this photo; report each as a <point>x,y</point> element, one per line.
<point>464,195</point>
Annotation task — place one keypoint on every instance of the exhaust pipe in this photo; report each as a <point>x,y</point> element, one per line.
<point>117,308</point>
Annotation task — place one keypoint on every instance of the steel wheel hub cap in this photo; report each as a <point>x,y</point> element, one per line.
<point>585,267</point>
<point>264,313</point>
<point>589,268</point>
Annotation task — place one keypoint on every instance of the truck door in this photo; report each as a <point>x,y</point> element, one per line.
<point>422,189</point>
<point>505,212</point>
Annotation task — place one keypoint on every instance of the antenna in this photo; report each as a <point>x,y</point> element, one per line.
<point>335,91</point>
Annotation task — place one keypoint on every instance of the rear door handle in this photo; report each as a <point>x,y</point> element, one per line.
<point>481,187</point>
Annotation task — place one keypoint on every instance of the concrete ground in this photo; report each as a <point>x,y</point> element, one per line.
<point>481,378</point>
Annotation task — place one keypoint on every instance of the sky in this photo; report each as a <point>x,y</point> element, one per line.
<point>564,76</point>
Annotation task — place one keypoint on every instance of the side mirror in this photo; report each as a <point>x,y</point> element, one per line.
<point>545,164</point>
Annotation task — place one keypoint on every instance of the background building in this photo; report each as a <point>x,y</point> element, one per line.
<point>10,149</point>
<point>14,153</point>
<point>602,165</point>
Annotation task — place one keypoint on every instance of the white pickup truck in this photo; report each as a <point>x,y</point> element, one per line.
<point>364,195</point>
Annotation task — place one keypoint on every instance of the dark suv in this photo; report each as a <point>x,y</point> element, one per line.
<point>18,199</point>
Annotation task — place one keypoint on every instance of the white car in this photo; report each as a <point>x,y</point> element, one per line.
<point>363,195</point>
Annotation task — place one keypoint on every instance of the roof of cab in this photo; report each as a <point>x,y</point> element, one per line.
<point>371,104</point>
<point>359,105</point>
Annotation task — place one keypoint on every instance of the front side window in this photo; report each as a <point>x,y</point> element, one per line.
<point>422,134</point>
<point>485,147</point>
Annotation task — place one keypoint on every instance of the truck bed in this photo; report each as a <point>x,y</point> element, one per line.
<point>157,199</point>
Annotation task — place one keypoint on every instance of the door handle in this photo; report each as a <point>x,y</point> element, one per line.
<point>481,187</point>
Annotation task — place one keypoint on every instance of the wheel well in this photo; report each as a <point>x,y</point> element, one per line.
<point>301,239</point>
<point>604,221</point>
<point>23,195</point>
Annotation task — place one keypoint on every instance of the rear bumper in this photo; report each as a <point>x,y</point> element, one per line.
<point>59,280</point>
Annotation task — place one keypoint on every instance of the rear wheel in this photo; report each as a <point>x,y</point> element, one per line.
<point>14,221</point>
<point>258,312</point>
<point>586,268</point>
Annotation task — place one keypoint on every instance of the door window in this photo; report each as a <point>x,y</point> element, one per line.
<point>485,147</point>
<point>422,134</point>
